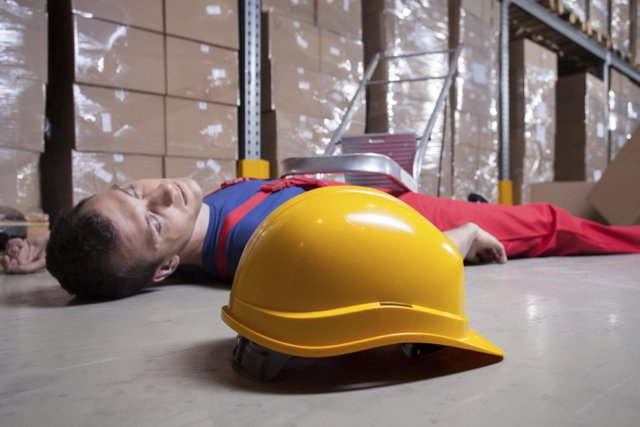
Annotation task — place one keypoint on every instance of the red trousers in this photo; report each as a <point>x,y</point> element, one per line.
<point>536,229</point>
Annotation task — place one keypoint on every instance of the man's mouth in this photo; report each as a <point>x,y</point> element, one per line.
<point>182,192</point>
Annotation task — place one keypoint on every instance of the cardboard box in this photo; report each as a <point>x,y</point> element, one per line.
<point>22,118</point>
<point>94,173</point>
<point>290,41</point>
<point>598,16</point>
<point>20,180</point>
<point>300,9</point>
<point>118,121</point>
<point>288,134</point>
<point>211,21</point>
<point>23,40</point>
<point>145,14</point>
<point>620,25</point>
<point>635,32</point>
<point>202,72</point>
<point>343,17</point>
<point>118,56</point>
<point>624,110</point>
<point>289,88</point>
<point>581,151</point>
<point>617,195</point>
<point>572,196</point>
<point>209,173</point>
<point>201,129</point>
<point>341,56</point>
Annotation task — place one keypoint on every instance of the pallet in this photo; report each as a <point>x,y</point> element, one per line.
<point>34,224</point>
<point>598,36</point>
<point>557,7</point>
<point>624,55</point>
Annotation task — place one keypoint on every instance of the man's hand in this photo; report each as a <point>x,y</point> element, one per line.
<point>476,245</point>
<point>25,255</point>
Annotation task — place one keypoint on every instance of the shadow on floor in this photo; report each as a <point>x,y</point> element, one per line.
<point>366,369</point>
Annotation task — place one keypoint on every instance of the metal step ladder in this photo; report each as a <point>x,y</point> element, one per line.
<point>391,161</point>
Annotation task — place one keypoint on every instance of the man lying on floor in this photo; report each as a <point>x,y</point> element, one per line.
<point>115,243</point>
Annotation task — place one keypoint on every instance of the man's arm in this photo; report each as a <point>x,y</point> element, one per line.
<point>25,255</point>
<point>476,245</point>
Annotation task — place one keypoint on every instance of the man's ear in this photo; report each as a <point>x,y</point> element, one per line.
<point>165,269</point>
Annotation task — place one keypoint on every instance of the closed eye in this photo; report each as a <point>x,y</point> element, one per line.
<point>155,221</point>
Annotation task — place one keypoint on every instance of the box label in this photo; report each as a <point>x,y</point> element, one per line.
<point>213,9</point>
<point>106,122</point>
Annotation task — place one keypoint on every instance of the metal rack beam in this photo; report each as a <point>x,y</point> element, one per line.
<point>576,36</point>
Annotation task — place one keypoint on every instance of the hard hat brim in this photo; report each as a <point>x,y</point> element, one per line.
<point>471,340</point>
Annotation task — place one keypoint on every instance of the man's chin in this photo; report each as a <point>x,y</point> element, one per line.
<point>194,187</point>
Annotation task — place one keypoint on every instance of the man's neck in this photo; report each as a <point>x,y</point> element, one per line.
<point>192,253</point>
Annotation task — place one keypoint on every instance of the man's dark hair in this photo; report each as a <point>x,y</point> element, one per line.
<point>81,255</point>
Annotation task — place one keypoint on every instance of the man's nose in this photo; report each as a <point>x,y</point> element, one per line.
<point>163,195</point>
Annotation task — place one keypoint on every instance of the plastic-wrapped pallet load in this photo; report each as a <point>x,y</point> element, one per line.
<point>208,172</point>
<point>635,32</point>
<point>23,77</point>
<point>108,86</point>
<point>598,17</point>
<point>532,76</point>
<point>624,111</point>
<point>475,95</point>
<point>581,150</point>
<point>201,105</point>
<point>406,26</point>
<point>128,94</point>
<point>620,26</point>
<point>577,7</point>
<point>309,76</point>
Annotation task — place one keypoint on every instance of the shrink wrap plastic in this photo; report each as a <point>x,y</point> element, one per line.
<point>532,116</point>
<point>20,179</point>
<point>620,26</point>
<point>96,172</point>
<point>408,26</point>
<point>581,151</point>
<point>475,99</point>
<point>624,111</point>
<point>598,16</point>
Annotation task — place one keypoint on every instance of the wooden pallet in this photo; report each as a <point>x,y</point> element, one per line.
<point>557,7</point>
<point>624,55</point>
<point>35,223</point>
<point>597,35</point>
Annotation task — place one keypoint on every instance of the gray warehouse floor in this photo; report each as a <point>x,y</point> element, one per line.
<point>570,328</point>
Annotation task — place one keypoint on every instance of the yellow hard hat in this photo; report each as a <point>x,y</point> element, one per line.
<point>341,269</point>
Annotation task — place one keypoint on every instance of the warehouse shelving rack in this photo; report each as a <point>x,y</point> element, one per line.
<point>549,27</point>
<point>553,27</point>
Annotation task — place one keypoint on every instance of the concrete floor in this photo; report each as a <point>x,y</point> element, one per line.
<point>570,327</point>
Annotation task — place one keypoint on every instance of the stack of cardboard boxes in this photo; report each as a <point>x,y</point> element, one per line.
<point>410,26</point>
<point>312,62</point>
<point>624,111</point>
<point>475,96</point>
<point>533,74</point>
<point>136,96</point>
<point>598,17</point>
<point>202,43</point>
<point>581,150</point>
<point>635,32</point>
<point>620,26</point>
<point>577,7</point>
<point>23,76</point>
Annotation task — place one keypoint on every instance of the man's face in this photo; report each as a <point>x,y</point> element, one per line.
<point>155,217</point>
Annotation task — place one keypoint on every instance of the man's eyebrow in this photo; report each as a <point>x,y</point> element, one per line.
<point>116,187</point>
